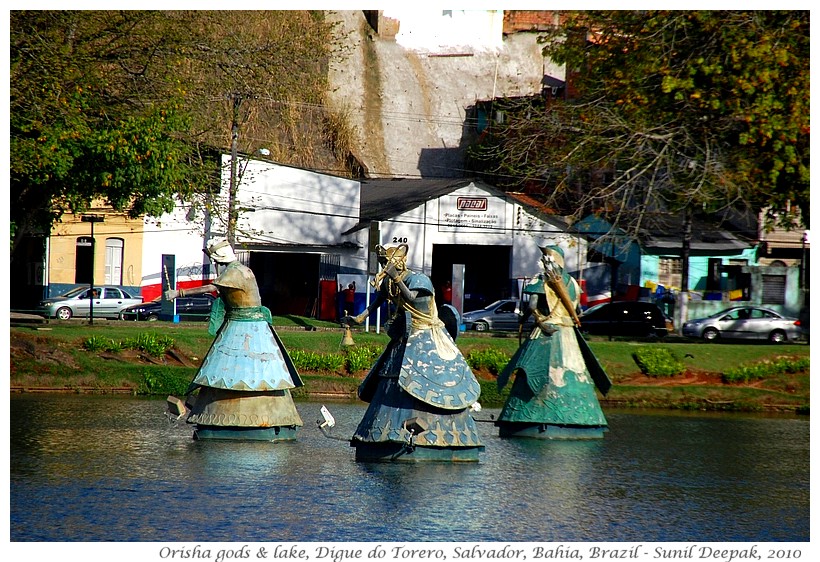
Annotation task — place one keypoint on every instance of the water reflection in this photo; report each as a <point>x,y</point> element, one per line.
<point>113,469</point>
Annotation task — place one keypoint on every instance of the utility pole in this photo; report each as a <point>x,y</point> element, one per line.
<point>232,212</point>
<point>92,219</point>
<point>684,269</point>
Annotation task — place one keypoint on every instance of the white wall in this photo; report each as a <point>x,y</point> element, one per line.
<point>300,210</point>
<point>431,29</point>
<point>173,233</point>
<point>291,205</point>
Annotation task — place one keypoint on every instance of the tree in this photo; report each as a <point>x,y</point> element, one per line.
<point>123,106</point>
<point>676,111</point>
<point>80,131</point>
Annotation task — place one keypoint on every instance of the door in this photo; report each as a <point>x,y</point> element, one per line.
<point>505,316</point>
<point>758,325</point>
<point>110,303</point>
<point>83,303</point>
<point>113,261</point>
<point>627,320</point>
<point>733,324</point>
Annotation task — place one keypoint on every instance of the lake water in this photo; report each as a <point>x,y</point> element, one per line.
<point>100,468</point>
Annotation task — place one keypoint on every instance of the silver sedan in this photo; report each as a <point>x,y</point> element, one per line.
<point>108,302</point>
<point>745,323</point>
<point>500,315</point>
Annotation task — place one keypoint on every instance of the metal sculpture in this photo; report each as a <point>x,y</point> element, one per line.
<point>556,373</point>
<point>420,390</point>
<point>245,379</point>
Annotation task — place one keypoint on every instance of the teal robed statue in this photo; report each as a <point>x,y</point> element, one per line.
<point>556,374</point>
<point>242,388</point>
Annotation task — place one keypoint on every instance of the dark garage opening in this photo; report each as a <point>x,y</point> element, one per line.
<point>288,283</point>
<point>486,272</point>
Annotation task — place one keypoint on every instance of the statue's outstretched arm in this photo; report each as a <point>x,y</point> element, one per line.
<point>360,318</point>
<point>171,294</point>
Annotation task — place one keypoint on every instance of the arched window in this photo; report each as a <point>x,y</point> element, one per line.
<point>113,261</point>
<point>83,260</point>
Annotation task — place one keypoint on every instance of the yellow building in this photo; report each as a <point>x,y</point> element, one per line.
<point>116,256</point>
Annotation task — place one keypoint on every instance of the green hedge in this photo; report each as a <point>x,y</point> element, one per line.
<point>746,373</point>
<point>153,344</point>
<point>656,361</point>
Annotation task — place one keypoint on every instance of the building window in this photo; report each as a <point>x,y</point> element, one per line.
<point>774,289</point>
<point>113,261</point>
<point>669,272</point>
<point>83,260</point>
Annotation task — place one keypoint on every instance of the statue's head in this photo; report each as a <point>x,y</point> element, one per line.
<point>395,254</point>
<point>220,251</point>
<point>552,254</point>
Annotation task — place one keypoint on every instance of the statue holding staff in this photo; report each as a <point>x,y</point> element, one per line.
<point>556,373</point>
<point>420,390</point>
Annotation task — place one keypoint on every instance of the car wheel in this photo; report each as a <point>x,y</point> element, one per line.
<point>481,327</point>
<point>777,337</point>
<point>152,318</point>
<point>63,313</point>
<point>710,334</point>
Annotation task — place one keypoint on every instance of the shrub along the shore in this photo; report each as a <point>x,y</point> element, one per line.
<point>79,356</point>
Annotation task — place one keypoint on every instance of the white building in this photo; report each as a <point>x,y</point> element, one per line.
<point>304,233</point>
<point>463,222</point>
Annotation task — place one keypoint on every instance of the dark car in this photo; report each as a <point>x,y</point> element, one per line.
<point>188,308</point>
<point>745,323</point>
<point>500,315</point>
<point>628,318</point>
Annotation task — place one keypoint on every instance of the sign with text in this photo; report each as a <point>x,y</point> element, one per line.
<point>470,213</point>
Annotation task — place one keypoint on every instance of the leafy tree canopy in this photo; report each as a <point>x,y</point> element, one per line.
<point>81,128</point>
<point>697,110</point>
<point>115,105</point>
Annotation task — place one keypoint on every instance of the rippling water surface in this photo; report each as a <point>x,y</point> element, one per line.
<point>89,468</point>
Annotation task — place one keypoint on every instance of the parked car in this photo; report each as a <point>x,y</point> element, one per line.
<point>745,323</point>
<point>500,315</point>
<point>626,318</point>
<point>108,302</point>
<point>188,308</point>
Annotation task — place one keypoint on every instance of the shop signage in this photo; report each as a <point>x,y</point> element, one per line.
<point>471,203</point>
<point>460,212</point>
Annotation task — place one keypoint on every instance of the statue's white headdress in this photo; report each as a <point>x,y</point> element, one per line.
<point>220,251</point>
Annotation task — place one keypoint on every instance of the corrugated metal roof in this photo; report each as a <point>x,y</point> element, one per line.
<point>383,199</point>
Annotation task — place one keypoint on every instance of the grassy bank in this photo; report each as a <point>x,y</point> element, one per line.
<point>76,356</point>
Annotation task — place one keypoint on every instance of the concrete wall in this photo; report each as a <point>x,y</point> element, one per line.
<point>793,297</point>
<point>406,96</point>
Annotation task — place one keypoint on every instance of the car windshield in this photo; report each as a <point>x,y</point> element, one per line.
<point>74,292</point>
<point>596,307</point>
<point>485,309</point>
